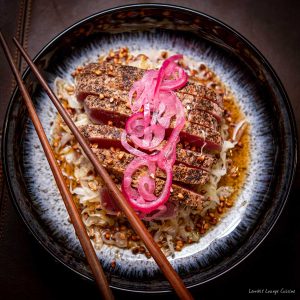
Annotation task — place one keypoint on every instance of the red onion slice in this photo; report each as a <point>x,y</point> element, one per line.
<point>130,192</point>
<point>154,104</point>
<point>146,188</point>
<point>129,148</point>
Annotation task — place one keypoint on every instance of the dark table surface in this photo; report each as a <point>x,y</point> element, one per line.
<point>28,272</point>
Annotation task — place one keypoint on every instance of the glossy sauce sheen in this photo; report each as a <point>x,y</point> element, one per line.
<point>240,155</point>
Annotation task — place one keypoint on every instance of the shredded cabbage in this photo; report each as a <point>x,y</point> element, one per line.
<point>61,87</point>
<point>95,217</point>
<point>86,194</point>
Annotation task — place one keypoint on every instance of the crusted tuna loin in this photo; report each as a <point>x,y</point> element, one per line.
<point>113,77</point>
<point>178,193</point>
<point>109,106</point>
<point>90,85</point>
<point>116,80</point>
<point>191,103</point>
<point>104,89</point>
<point>118,161</point>
<point>199,136</point>
<point>120,77</point>
<point>202,92</point>
<point>195,134</point>
<point>107,136</point>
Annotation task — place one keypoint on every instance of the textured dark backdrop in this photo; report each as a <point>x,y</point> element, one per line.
<point>28,272</point>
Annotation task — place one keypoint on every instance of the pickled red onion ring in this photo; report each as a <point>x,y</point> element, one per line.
<point>167,69</point>
<point>135,125</point>
<point>130,192</point>
<point>146,188</point>
<point>142,89</point>
<point>153,136</point>
<point>129,148</point>
<point>154,104</point>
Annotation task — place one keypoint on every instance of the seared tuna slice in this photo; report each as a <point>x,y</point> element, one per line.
<point>118,161</point>
<point>180,194</point>
<point>108,107</point>
<point>107,136</point>
<point>120,77</point>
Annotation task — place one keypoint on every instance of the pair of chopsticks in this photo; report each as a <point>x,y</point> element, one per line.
<point>80,230</point>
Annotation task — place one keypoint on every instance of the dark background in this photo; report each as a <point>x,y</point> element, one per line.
<point>28,272</point>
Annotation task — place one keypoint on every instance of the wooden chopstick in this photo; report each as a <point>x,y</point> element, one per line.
<point>80,230</point>
<point>134,220</point>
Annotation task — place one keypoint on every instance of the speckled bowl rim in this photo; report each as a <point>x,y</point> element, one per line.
<point>267,66</point>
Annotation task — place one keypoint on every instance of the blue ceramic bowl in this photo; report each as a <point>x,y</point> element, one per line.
<point>238,63</point>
